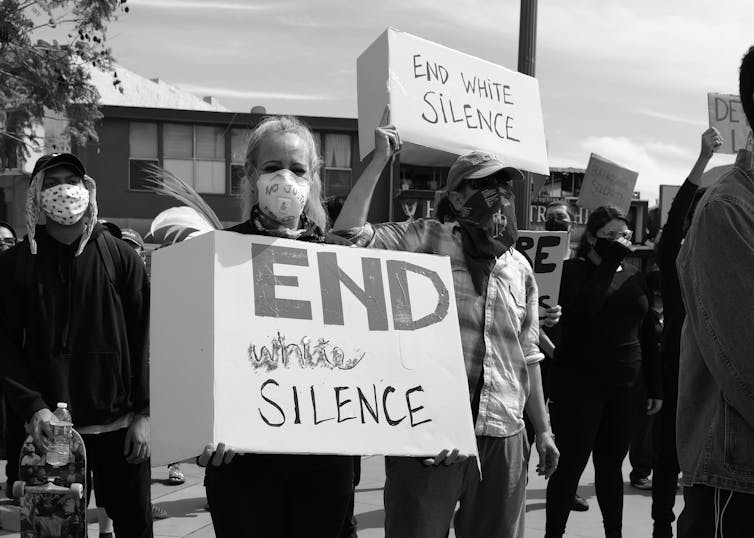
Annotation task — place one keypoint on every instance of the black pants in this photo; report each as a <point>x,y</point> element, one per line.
<point>666,469</point>
<point>15,437</point>
<point>713,513</point>
<point>122,488</point>
<point>642,451</point>
<point>589,419</point>
<point>349,526</point>
<point>278,495</point>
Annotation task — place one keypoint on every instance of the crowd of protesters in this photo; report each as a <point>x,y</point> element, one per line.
<point>659,365</point>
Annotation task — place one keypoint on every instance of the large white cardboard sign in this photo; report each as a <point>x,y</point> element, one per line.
<point>446,103</point>
<point>279,346</point>
<point>545,252</point>
<point>727,115</point>
<point>607,183</point>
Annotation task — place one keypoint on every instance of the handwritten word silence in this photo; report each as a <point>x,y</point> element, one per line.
<point>334,404</point>
<point>441,108</point>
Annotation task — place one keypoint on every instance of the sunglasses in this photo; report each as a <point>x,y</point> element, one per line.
<point>501,183</point>
<point>612,236</point>
<point>11,241</point>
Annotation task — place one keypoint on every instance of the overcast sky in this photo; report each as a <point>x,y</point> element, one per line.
<point>625,79</point>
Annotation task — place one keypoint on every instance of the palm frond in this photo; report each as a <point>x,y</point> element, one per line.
<point>166,183</point>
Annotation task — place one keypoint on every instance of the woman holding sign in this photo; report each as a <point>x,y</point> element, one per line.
<point>606,343</point>
<point>277,494</point>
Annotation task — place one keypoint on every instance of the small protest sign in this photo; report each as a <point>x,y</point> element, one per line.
<point>607,183</point>
<point>726,114</point>
<point>545,251</point>
<point>446,103</point>
<point>667,193</point>
<point>291,347</point>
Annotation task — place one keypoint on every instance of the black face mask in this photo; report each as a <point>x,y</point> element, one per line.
<point>603,247</point>
<point>509,234</point>
<point>553,224</point>
<point>481,207</point>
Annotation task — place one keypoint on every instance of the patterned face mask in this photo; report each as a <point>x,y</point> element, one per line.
<point>65,204</point>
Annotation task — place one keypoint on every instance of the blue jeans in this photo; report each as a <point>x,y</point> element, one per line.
<point>420,500</point>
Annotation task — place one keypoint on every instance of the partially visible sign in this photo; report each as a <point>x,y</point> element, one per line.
<point>667,193</point>
<point>607,183</point>
<point>292,347</point>
<point>545,251</point>
<point>726,114</point>
<point>446,103</point>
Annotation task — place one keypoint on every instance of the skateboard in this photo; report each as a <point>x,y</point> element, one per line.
<point>53,499</point>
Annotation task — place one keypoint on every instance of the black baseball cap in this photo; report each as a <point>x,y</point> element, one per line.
<point>51,160</point>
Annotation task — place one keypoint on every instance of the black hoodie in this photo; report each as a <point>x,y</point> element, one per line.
<point>70,334</point>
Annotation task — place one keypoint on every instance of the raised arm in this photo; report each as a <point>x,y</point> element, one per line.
<point>672,232</point>
<point>355,209</point>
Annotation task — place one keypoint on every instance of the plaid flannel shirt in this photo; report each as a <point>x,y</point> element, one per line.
<point>499,330</point>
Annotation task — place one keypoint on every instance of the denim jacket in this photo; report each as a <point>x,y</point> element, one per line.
<point>715,430</point>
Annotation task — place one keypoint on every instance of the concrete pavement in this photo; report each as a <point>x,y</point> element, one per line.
<point>185,506</point>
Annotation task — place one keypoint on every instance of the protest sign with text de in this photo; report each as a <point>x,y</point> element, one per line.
<point>726,114</point>
<point>607,183</point>
<point>283,346</point>
<point>446,103</point>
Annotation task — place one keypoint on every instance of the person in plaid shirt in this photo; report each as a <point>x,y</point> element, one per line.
<point>497,302</point>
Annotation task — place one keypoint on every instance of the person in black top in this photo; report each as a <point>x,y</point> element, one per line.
<point>666,468</point>
<point>282,495</point>
<point>594,390</point>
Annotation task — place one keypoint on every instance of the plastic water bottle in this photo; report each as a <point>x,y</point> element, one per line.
<point>61,425</point>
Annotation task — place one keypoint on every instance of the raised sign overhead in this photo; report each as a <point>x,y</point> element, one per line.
<point>446,103</point>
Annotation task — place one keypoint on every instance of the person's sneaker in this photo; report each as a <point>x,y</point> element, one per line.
<point>159,512</point>
<point>579,504</point>
<point>643,483</point>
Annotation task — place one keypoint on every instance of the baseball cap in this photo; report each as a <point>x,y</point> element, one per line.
<point>51,160</point>
<point>132,236</point>
<point>476,165</point>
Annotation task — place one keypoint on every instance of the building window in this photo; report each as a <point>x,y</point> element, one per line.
<point>142,142</point>
<point>239,138</point>
<point>337,164</point>
<point>196,154</point>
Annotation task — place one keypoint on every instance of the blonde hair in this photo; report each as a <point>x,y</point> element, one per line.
<point>278,125</point>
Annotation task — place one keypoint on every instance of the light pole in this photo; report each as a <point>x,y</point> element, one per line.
<point>527,54</point>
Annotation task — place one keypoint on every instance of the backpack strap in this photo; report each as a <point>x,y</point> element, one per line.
<point>110,254</point>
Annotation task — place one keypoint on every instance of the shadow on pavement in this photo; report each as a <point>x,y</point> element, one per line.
<point>184,507</point>
<point>374,519</point>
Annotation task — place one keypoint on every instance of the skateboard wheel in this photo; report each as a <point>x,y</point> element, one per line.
<point>77,490</point>
<point>19,487</point>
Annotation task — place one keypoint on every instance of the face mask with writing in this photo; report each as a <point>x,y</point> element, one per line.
<point>282,195</point>
<point>481,207</point>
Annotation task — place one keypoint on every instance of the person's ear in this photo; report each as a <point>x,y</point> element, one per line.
<point>590,237</point>
<point>456,200</point>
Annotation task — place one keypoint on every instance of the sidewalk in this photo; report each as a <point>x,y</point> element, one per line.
<point>185,505</point>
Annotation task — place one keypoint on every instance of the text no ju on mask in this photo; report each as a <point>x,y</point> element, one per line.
<point>283,195</point>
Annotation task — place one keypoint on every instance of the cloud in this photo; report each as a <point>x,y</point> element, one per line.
<point>244,94</point>
<point>669,117</point>
<point>200,4</point>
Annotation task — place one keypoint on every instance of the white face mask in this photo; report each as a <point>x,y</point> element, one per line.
<point>65,204</point>
<point>282,195</point>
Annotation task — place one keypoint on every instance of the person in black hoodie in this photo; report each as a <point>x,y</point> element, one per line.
<point>595,392</point>
<point>74,328</point>
<point>283,495</point>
